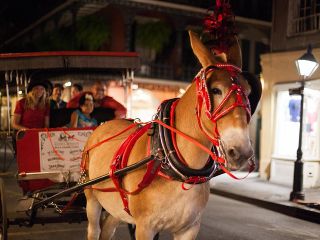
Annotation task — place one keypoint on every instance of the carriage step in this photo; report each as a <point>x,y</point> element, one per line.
<point>24,204</point>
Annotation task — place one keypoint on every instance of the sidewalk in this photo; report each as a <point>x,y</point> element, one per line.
<point>262,193</point>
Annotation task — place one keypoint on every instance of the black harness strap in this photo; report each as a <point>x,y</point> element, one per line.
<point>172,165</point>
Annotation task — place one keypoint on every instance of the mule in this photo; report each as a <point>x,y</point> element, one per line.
<point>164,205</point>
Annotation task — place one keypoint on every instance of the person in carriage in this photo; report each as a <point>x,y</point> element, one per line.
<point>81,117</point>
<point>99,90</point>
<point>101,100</point>
<point>55,100</point>
<point>76,89</point>
<point>33,110</point>
<point>76,93</point>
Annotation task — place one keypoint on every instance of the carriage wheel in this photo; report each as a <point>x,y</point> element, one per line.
<point>3,213</point>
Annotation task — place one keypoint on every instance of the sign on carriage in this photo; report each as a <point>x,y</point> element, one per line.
<point>62,150</point>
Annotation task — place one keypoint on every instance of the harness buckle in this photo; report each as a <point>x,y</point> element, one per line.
<point>151,130</point>
<point>165,164</point>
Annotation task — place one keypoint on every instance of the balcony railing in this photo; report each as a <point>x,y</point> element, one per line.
<point>254,9</point>
<point>196,3</point>
<point>302,25</point>
<point>166,71</point>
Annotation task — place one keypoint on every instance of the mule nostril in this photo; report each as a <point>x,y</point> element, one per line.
<point>233,153</point>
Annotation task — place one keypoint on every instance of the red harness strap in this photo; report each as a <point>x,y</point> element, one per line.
<point>120,160</point>
<point>173,135</point>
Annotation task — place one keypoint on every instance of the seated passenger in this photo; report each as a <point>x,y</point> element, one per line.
<point>55,101</point>
<point>81,117</point>
<point>76,89</point>
<point>99,90</point>
<point>76,93</point>
<point>101,100</point>
<point>33,110</point>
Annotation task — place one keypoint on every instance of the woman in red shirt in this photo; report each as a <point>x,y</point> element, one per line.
<point>33,110</point>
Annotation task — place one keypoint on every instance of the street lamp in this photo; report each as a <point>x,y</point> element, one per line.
<point>306,65</point>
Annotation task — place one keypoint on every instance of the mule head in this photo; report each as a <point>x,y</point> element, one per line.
<point>224,114</point>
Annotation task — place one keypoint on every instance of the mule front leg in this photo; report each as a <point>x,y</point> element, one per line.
<point>144,232</point>
<point>93,214</point>
<point>188,234</point>
<point>108,225</point>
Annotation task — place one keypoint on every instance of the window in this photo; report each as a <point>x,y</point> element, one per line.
<point>304,16</point>
<point>286,125</point>
<point>287,122</point>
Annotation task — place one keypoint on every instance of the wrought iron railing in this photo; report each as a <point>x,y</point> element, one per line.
<point>254,9</point>
<point>302,25</point>
<point>195,3</point>
<point>166,71</point>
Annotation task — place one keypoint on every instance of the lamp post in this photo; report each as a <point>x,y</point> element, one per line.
<point>306,66</point>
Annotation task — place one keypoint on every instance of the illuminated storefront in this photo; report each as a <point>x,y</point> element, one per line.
<point>280,121</point>
<point>286,134</point>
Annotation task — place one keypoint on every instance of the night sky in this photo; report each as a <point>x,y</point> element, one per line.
<point>15,15</point>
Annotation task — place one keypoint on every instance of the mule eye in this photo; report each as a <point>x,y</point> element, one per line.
<point>216,91</point>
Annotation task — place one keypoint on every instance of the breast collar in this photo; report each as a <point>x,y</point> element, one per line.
<point>173,164</point>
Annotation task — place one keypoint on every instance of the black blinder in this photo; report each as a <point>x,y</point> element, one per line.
<point>256,90</point>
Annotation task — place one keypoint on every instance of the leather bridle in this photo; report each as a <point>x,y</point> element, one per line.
<point>204,98</point>
<point>176,166</point>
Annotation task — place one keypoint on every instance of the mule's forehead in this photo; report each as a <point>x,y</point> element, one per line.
<point>219,75</point>
<point>224,78</point>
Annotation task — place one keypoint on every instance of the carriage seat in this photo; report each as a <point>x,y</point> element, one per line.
<point>61,117</point>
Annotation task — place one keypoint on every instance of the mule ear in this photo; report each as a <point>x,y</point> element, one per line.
<point>203,54</point>
<point>234,52</point>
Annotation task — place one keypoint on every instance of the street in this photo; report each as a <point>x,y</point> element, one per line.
<point>223,219</point>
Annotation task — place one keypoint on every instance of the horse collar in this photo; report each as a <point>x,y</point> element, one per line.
<point>173,164</point>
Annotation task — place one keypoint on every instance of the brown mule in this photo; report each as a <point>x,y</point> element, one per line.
<point>164,205</point>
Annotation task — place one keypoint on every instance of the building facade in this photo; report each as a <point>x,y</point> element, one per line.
<point>296,24</point>
<point>157,30</point>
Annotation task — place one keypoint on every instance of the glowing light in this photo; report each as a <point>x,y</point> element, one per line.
<point>307,64</point>
<point>262,81</point>
<point>67,84</point>
<point>182,91</point>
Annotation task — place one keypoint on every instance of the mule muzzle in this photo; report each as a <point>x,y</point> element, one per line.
<point>238,157</point>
